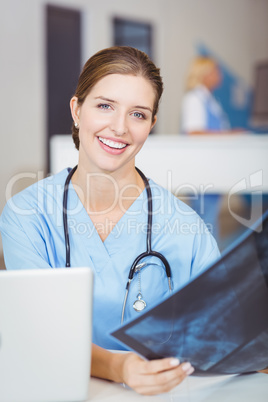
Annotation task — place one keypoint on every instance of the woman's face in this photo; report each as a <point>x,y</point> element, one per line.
<point>114,122</point>
<point>213,79</point>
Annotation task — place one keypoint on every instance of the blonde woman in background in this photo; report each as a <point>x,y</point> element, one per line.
<point>201,113</point>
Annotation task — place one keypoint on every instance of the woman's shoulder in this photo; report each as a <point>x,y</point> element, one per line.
<point>169,204</point>
<point>178,223</point>
<point>36,195</point>
<point>193,100</point>
<point>199,93</point>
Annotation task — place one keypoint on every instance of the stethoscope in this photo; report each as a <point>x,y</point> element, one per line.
<point>136,266</point>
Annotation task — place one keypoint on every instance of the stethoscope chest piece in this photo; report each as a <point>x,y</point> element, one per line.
<point>139,304</point>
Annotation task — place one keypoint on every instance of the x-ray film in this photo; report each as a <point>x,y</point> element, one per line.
<point>219,321</point>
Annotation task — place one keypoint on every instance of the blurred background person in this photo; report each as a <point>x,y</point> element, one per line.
<point>201,112</point>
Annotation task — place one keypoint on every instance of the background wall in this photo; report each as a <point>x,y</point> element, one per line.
<point>236,31</point>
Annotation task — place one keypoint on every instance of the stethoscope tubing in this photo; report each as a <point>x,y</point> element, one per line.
<point>149,252</point>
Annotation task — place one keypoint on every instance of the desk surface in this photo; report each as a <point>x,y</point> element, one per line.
<point>244,388</point>
<point>183,164</point>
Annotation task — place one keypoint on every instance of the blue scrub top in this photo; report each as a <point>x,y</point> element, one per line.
<point>33,237</point>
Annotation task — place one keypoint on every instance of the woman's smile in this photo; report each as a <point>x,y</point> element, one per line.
<point>113,146</point>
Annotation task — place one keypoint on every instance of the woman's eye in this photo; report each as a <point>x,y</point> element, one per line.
<point>139,115</point>
<point>104,106</point>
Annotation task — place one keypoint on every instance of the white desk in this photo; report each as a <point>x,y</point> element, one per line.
<point>246,388</point>
<point>204,163</point>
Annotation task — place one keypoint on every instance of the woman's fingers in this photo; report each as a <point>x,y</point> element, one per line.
<point>166,379</point>
<point>157,366</point>
<point>157,389</point>
<point>156,376</point>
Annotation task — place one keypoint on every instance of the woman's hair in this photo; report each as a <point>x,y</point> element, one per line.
<point>199,68</point>
<point>117,60</point>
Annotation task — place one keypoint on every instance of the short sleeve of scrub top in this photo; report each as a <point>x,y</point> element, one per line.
<point>193,113</point>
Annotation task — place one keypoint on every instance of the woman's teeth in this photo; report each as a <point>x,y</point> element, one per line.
<point>112,144</point>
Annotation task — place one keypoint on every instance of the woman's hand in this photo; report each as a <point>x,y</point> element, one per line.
<point>145,377</point>
<point>155,376</point>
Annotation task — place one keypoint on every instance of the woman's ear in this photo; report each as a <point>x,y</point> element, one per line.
<point>75,109</point>
<point>153,122</point>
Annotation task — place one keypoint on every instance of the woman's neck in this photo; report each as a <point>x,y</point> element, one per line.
<point>103,193</point>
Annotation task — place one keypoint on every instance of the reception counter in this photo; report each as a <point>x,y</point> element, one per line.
<point>207,163</point>
<point>183,164</point>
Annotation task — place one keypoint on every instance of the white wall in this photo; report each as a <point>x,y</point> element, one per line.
<point>236,30</point>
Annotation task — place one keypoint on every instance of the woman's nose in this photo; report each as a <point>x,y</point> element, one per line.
<point>119,124</point>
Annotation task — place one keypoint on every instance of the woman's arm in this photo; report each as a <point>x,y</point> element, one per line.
<point>145,377</point>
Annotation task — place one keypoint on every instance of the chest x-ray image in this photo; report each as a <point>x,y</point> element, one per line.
<point>219,321</point>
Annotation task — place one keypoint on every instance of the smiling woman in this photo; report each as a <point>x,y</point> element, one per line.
<point>106,214</point>
<point>118,127</point>
<point>122,60</point>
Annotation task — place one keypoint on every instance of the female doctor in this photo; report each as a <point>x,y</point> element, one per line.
<point>106,210</point>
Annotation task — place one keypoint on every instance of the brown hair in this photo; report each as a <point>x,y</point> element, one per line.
<point>117,60</point>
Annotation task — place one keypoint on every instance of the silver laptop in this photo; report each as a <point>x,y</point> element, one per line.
<point>45,334</point>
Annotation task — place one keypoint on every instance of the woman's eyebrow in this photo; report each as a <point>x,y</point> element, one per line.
<point>105,99</point>
<point>144,107</point>
<point>114,101</point>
